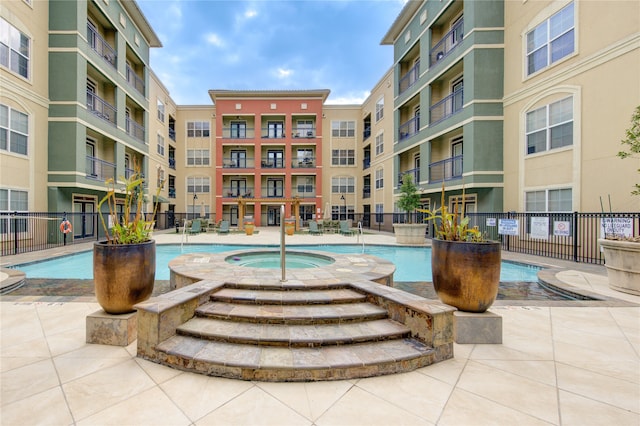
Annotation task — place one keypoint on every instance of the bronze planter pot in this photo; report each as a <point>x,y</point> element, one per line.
<point>466,275</point>
<point>123,274</point>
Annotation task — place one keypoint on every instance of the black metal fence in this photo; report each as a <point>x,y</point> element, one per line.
<point>569,236</point>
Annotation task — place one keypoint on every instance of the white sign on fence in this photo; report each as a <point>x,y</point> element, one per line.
<point>508,226</point>
<point>620,227</point>
<point>491,221</point>
<point>562,228</point>
<point>539,228</point>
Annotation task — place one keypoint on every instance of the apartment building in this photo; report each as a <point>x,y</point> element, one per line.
<point>448,89</point>
<point>572,86</point>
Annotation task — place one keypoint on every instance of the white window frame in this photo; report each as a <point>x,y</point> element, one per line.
<point>8,53</point>
<point>379,143</point>
<point>547,128</point>
<point>198,129</point>
<point>379,109</point>
<point>343,185</point>
<point>547,39</point>
<point>198,157</point>
<point>160,110</point>
<point>10,132</point>
<point>547,193</point>
<point>343,157</point>
<point>9,205</point>
<point>161,145</point>
<point>379,178</point>
<point>198,184</point>
<point>343,129</point>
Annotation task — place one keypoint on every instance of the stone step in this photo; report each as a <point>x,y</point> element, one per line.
<point>292,285</point>
<point>293,335</point>
<point>292,314</point>
<point>291,297</point>
<point>273,363</point>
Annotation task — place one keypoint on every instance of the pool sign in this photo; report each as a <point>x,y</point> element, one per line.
<point>620,227</point>
<point>539,228</point>
<point>561,228</point>
<point>491,221</point>
<point>508,226</point>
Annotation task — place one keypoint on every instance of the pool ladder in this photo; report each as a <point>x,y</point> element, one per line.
<point>359,233</point>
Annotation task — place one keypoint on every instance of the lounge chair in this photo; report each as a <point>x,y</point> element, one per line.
<point>313,228</point>
<point>344,228</point>
<point>224,227</point>
<point>196,227</point>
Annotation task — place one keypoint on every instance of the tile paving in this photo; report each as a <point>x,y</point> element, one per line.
<point>560,363</point>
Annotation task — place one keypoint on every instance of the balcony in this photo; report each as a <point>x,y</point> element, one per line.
<point>304,132</point>
<point>273,191</point>
<point>447,169</point>
<point>100,46</point>
<point>366,133</point>
<point>410,78</point>
<point>409,128</point>
<point>304,191</point>
<point>272,163</point>
<point>414,173</point>
<point>272,133</point>
<point>446,107</point>
<point>366,163</point>
<point>238,163</point>
<point>134,80</point>
<point>237,192</point>
<point>101,108</point>
<point>172,134</point>
<point>238,133</point>
<point>135,130</point>
<point>366,191</point>
<point>304,163</point>
<point>449,42</point>
<point>99,169</point>
<point>172,163</point>
<point>172,192</point>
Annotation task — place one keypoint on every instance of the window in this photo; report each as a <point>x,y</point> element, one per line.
<point>550,200</point>
<point>304,129</point>
<point>343,129</point>
<point>275,188</point>
<point>12,200</point>
<point>379,213</point>
<point>550,126</point>
<point>14,49</point>
<point>238,130</point>
<point>379,178</point>
<point>342,185</point>
<point>380,109</point>
<point>14,130</point>
<point>343,157</point>
<point>161,145</point>
<point>550,41</point>
<point>197,157</point>
<point>197,129</point>
<point>161,178</point>
<point>160,111</point>
<point>379,143</point>
<point>198,184</point>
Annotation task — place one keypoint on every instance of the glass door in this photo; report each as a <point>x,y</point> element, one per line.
<point>273,216</point>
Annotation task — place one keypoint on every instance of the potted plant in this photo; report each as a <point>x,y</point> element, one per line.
<point>409,200</point>
<point>622,252</point>
<point>124,264</point>
<point>465,266</point>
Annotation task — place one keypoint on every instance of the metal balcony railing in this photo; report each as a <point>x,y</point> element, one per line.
<point>409,128</point>
<point>366,191</point>
<point>238,163</point>
<point>410,78</point>
<point>273,191</point>
<point>366,133</point>
<point>172,163</point>
<point>238,133</point>
<point>101,108</point>
<point>134,129</point>
<point>272,163</point>
<point>100,46</point>
<point>304,163</point>
<point>447,169</point>
<point>237,191</point>
<point>172,134</point>
<point>272,133</point>
<point>172,192</point>
<point>304,191</point>
<point>134,80</point>
<point>446,107</point>
<point>447,43</point>
<point>99,169</point>
<point>366,163</point>
<point>304,132</point>
<point>414,173</point>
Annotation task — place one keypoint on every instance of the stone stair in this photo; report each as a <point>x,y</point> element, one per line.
<point>288,333</point>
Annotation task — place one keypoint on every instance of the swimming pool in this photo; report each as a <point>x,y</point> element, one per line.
<point>412,263</point>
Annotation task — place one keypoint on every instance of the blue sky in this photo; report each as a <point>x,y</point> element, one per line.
<point>270,45</point>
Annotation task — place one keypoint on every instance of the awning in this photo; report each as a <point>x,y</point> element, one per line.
<point>159,199</point>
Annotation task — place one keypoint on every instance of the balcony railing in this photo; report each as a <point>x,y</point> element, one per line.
<point>100,46</point>
<point>366,191</point>
<point>238,163</point>
<point>366,133</point>
<point>172,163</point>
<point>303,163</point>
<point>366,163</point>
<point>236,192</point>
<point>134,80</point>
<point>172,192</point>
<point>304,132</point>
<point>447,169</point>
<point>272,133</point>
<point>273,192</point>
<point>447,43</point>
<point>409,128</point>
<point>414,173</point>
<point>172,134</point>
<point>410,78</point>
<point>135,130</point>
<point>99,169</point>
<point>304,191</point>
<point>101,108</point>
<point>272,163</point>
<point>446,107</point>
<point>238,133</point>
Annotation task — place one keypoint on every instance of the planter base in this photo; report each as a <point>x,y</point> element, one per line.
<point>472,328</point>
<point>622,260</point>
<point>108,329</point>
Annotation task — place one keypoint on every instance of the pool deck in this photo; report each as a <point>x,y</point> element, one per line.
<point>560,364</point>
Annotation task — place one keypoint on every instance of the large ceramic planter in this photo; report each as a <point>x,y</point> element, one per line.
<point>622,260</point>
<point>410,233</point>
<point>289,226</point>
<point>123,274</point>
<point>466,275</point>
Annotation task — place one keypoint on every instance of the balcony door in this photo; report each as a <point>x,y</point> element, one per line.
<point>275,129</point>
<point>239,159</point>
<point>275,159</point>
<point>457,90</point>
<point>456,151</point>
<point>275,188</point>
<point>83,217</point>
<point>238,187</point>
<point>238,130</point>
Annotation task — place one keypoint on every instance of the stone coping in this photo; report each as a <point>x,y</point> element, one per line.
<point>11,279</point>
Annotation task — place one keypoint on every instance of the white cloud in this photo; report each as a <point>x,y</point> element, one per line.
<point>250,13</point>
<point>349,99</point>
<point>214,39</point>
<point>282,73</point>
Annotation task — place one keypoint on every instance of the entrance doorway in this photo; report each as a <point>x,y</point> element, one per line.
<point>273,216</point>
<point>83,217</point>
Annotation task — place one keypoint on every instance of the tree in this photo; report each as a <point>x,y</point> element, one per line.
<point>409,198</point>
<point>631,143</point>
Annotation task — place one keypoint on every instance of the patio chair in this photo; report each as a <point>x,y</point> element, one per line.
<point>313,228</point>
<point>196,227</point>
<point>224,227</point>
<point>344,228</point>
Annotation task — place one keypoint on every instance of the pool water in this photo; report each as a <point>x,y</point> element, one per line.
<point>271,260</point>
<point>412,263</point>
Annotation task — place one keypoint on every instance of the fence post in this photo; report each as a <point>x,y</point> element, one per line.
<point>15,232</point>
<point>575,236</point>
